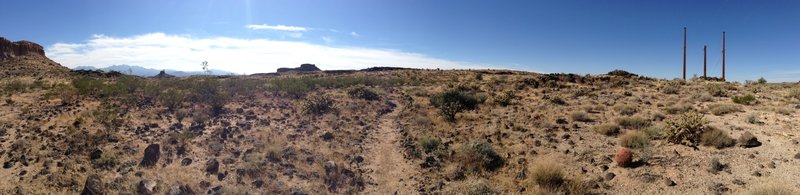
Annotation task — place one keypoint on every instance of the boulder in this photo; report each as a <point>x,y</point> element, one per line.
<point>93,186</point>
<point>151,155</point>
<point>212,166</point>
<point>747,140</point>
<point>147,186</point>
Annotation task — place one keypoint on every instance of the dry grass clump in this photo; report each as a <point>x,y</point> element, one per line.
<point>626,109</point>
<point>783,110</point>
<point>685,129</point>
<point>753,118</point>
<point>429,144</point>
<point>364,93</point>
<point>472,187</point>
<point>634,139</point>
<point>479,156</point>
<point>505,98</point>
<point>580,116</point>
<point>794,94</point>
<point>548,175</point>
<point>744,99</point>
<point>633,122</point>
<point>608,129</point>
<point>678,108</point>
<point>717,90</point>
<point>671,87</point>
<point>717,138</point>
<point>722,108</point>
<point>317,105</point>
<point>771,189</point>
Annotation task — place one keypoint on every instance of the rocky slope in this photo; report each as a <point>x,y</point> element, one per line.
<point>25,58</point>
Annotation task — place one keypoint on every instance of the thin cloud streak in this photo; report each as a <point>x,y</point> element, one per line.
<point>277,27</point>
<point>244,56</point>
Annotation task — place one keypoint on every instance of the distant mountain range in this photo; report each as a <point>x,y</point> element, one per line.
<point>148,72</point>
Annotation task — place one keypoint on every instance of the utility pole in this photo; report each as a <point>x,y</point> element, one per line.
<point>723,55</point>
<point>704,62</point>
<point>684,53</point>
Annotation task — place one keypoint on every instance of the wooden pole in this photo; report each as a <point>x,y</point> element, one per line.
<point>723,55</point>
<point>704,62</point>
<point>684,53</point>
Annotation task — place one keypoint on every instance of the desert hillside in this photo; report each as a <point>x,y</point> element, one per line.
<point>392,131</point>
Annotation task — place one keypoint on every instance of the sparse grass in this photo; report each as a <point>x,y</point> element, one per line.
<point>608,129</point>
<point>678,108</point>
<point>685,129</point>
<point>794,93</point>
<point>723,108</point>
<point>717,90</point>
<point>478,156</point>
<point>580,116</point>
<point>717,138</point>
<point>505,98</point>
<point>671,87</point>
<point>744,99</point>
<point>626,109</point>
<point>783,110</point>
<point>753,118</point>
<point>555,99</point>
<point>633,122</point>
<point>472,187</point>
<point>107,161</point>
<point>298,87</point>
<point>634,140</point>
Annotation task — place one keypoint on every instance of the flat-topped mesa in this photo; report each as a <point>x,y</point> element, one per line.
<point>10,49</point>
<point>302,68</point>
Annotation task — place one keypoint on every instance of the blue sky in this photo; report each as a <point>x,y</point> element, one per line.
<point>644,37</point>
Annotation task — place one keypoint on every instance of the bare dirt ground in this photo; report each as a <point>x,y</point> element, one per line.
<point>389,169</point>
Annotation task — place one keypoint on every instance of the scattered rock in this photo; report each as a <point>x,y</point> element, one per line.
<point>718,188</point>
<point>771,164</point>
<point>797,156</point>
<point>96,153</point>
<point>669,182</point>
<point>212,166</point>
<point>738,182</point>
<point>330,167</point>
<point>610,176</point>
<point>747,140</point>
<point>180,190</point>
<point>147,186</point>
<point>186,161</point>
<point>327,136</point>
<point>93,186</point>
<point>151,155</point>
<point>717,166</point>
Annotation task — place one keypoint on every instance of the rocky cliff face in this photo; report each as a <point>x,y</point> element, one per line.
<point>25,58</point>
<point>10,49</point>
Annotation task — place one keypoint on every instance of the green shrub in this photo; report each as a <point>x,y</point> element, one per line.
<point>429,144</point>
<point>685,129</point>
<point>208,92</point>
<point>15,86</point>
<point>107,161</point>
<point>608,129</point>
<point>633,122</point>
<point>761,81</point>
<point>109,117</point>
<point>794,94</point>
<point>671,87</point>
<point>626,109</point>
<point>722,109</point>
<point>634,140</point>
<point>86,86</point>
<point>717,138</point>
<point>452,102</point>
<point>317,105</point>
<point>744,99</point>
<point>717,90</point>
<point>171,98</point>
<point>362,92</point>
<point>477,156</point>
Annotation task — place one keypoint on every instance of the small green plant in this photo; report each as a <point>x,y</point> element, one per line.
<point>477,156</point>
<point>364,93</point>
<point>761,81</point>
<point>722,108</point>
<point>15,86</point>
<point>634,140</point>
<point>107,161</point>
<point>608,129</point>
<point>717,90</point>
<point>429,144</point>
<point>452,102</point>
<point>685,129</point>
<point>753,119</point>
<point>86,86</point>
<point>744,99</point>
<point>109,117</point>
<point>171,98</point>
<point>717,138</point>
<point>317,105</point>
<point>671,87</point>
<point>633,122</point>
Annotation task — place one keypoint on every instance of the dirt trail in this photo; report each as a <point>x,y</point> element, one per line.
<point>391,172</point>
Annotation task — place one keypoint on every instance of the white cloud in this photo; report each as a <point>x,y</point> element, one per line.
<point>327,40</point>
<point>183,52</point>
<point>355,34</point>
<point>277,27</point>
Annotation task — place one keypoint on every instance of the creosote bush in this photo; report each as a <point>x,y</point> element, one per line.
<point>477,156</point>
<point>717,138</point>
<point>685,129</point>
<point>626,109</point>
<point>317,105</point>
<point>452,102</point>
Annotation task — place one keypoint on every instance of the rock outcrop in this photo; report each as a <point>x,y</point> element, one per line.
<point>163,74</point>
<point>25,58</point>
<point>302,68</point>
<point>10,49</point>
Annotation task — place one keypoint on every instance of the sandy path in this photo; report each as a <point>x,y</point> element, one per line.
<point>391,172</point>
